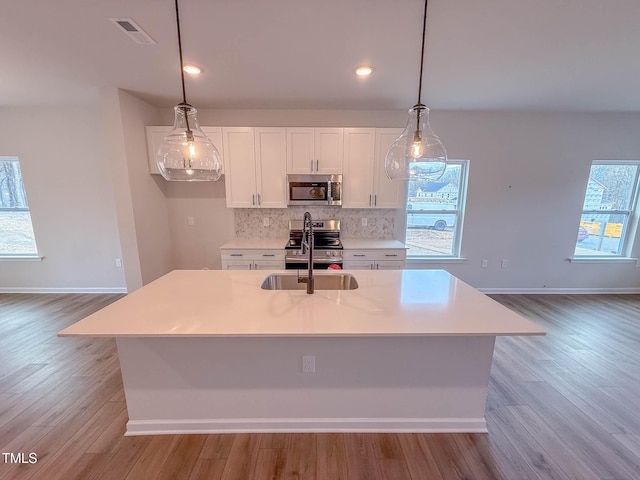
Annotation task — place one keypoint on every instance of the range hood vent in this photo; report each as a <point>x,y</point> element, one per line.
<point>128,26</point>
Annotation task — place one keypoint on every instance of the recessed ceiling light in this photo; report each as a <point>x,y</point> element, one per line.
<point>192,69</point>
<point>364,71</point>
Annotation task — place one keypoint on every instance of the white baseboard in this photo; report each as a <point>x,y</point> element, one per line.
<point>63,290</point>
<point>306,425</point>
<point>560,291</point>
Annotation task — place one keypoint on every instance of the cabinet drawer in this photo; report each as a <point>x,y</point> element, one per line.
<point>242,254</point>
<point>374,254</point>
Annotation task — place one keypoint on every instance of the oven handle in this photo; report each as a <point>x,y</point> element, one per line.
<point>315,260</point>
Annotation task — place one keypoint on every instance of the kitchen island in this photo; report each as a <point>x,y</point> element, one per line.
<point>209,351</point>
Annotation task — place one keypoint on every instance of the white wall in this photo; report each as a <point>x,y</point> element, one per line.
<point>528,175</point>
<point>147,193</point>
<point>70,198</point>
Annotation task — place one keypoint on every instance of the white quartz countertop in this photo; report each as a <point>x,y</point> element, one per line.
<point>197,303</point>
<point>255,244</point>
<point>365,244</point>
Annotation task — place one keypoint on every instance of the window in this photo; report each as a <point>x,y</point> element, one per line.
<point>609,201</point>
<point>434,213</point>
<point>16,231</point>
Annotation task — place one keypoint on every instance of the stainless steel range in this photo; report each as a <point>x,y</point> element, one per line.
<point>327,247</point>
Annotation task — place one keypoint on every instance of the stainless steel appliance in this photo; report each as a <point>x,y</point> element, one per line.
<point>327,247</point>
<point>314,189</point>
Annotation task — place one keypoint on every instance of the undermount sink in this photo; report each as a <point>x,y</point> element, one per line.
<point>287,281</point>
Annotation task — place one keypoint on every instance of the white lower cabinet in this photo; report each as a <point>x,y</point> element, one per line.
<point>252,259</point>
<point>375,259</point>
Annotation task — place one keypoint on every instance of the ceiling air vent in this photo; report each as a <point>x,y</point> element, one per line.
<point>131,28</point>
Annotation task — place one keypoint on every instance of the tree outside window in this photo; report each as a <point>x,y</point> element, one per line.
<point>16,230</point>
<point>610,199</point>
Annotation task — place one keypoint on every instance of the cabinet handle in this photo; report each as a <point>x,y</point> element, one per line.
<point>390,254</point>
<point>259,200</point>
<point>369,199</point>
<point>236,255</point>
<point>253,199</point>
<point>268,254</point>
<point>358,255</point>
<point>375,200</point>
<point>251,266</point>
<point>312,165</point>
<point>317,165</point>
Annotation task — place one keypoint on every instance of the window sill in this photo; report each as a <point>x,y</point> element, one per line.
<point>603,260</point>
<point>21,258</point>
<point>427,260</point>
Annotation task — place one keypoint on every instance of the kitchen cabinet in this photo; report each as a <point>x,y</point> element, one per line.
<point>241,259</point>
<point>156,134</point>
<point>314,150</point>
<point>255,167</point>
<point>365,182</point>
<point>375,259</point>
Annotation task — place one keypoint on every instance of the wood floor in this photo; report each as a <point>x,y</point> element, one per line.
<point>564,406</point>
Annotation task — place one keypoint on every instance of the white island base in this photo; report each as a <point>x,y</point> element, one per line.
<point>211,352</point>
<point>371,384</point>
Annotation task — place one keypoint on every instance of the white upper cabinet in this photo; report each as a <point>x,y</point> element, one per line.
<point>156,134</point>
<point>314,150</point>
<point>365,182</point>
<point>255,167</point>
<point>357,179</point>
<point>387,193</point>
<point>271,167</point>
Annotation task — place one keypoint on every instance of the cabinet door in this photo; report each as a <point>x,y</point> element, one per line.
<point>390,265</point>
<point>240,171</point>
<point>155,136</point>
<point>358,167</point>
<point>271,189</point>
<point>300,153</point>
<point>388,193</point>
<point>237,265</point>
<point>328,150</point>
<point>358,265</point>
<point>215,135</point>
<point>268,265</point>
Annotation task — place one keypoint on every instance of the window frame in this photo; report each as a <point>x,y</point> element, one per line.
<point>458,211</point>
<point>626,241</point>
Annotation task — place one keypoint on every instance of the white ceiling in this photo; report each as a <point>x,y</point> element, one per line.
<point>571,55</point>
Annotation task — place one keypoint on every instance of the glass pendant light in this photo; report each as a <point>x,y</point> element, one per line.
<point>417,154</point>
<point>186,154</point>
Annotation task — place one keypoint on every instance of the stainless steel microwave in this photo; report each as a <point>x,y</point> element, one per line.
<point>314,189</point>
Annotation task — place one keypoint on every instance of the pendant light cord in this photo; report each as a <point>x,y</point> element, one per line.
<point>424,34</point>
<point>184,94</point>
<point>184,91</point>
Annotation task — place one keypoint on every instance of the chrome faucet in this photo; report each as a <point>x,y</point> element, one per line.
<point>306,245</point>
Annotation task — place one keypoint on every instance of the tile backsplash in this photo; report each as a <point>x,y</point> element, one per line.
<point>380,222</point>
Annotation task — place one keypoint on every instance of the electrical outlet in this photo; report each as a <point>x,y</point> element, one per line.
<point>365,222</point>
<point>191,221</point>
<point>308,364</point>
<point>504,263</point>
<point>484,263</point>
<point>265,221</point>
<point>118,262</point>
